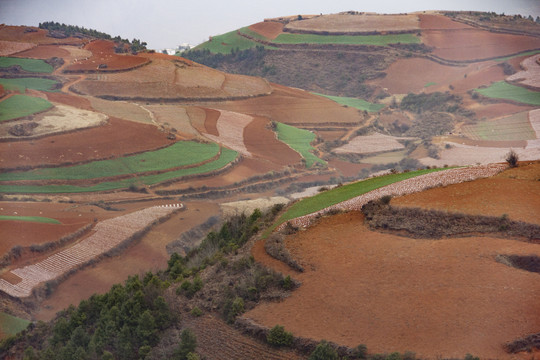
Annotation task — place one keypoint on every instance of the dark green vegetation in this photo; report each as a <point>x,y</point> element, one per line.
<point>31,65</point>
<point>18,106</point>
<point>505,91</point>
<point>62,31</point>
<point>38,219</point>
<point>226,157</point>
<point>299,140</point>
<point>21,84</point>
<point>437,101</point>
<point>277,336</point>
<point>11,325</point>
<point>359,104</point>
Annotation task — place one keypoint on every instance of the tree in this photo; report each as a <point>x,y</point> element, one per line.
<point>277,336</point>
<point>188,343</point>
<point>512,159</point>
<point>324,351</point>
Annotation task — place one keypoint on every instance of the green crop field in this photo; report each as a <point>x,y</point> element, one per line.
<point>514,127</point>
<point>246,30</point>
<point>182,153</point>
<point>335,196</point>
<point>18,106</point>
<point>11,325</point>
<point>503,90</point>
<point>526,53</point>
<point>21,84</point>
<point>300,140</point>
<point>431,83</point>
<point>226,43</point>
<point>378,40</point>
<point>31,65</point>
<point>360,104</point>
<point>38,219</point>
<point>227,156</point>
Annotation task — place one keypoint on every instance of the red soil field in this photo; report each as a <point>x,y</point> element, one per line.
<point>440,22</point>
<point>17,33</point>
<point>157,55</point>
<point>71,100</point>
<point>496,110</point>
<point>474,44</point>
<point>437,298</point>
<point>148,253</point>
<point>268,29</point>
<point>2,91</point>
<point>8,48</point>
<point>262,143</point>
<point>347,168</point>
<point>44,52</point>
<point>514,192</point>
<point>103,53</point>
<point>116,138</point>
<point>210,123</point>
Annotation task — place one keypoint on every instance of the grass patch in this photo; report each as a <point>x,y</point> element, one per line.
<point>503,90</point>
<point>378,40</point>
<point>331,197</point>
<point>18,106</point>
<point>360,104</point>
<point>11,325</point>
<point>226,43</point>
<point>38,219</point>
<point>181,153</point>
<point>21,84</point>
<point>31,65</point>
<point>526,53</point>
<point>431,83</point>
<point>299,140</point>
<point>246,30</point>
<point>227,156</point>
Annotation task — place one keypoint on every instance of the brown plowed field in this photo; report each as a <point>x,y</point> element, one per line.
<point>71,100</point>
<point>440,22</point>
<point>44,52</point>
<point>12,47</point>
<point>210,123</point>
<point>17,33</point>
<point>103,53</point>
<point>347,168</point>
<point>217,340</point>
<point>268,29</point>
<point>474,44</point>
<point>515,192</point>
<point>346,23</point>
<point>438,298</point>
<point>294,106</point>
<point>493,111</point>
<point>116,138</point>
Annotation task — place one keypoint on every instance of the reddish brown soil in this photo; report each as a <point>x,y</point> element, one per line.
<point>440,22</point>
<point>474,44</point>
<point>480,143</point>
<point>346,168</point>
<point>118,137</point>
<point>161,56</point>
<point>8,48</point>
<point>210,123</point>
<point>268,29</point>
<point>71,100</point>
<point>44,52</point>
<point>496,110</point>
<point>436,298</point>
<point>103,53</point>
<point>2,91</point>
<point>261,141</point>
<point>17,33</point>
<point>515,192</point>
<point>146,254</point>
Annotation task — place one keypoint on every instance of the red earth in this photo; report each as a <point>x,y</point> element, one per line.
<point>210,123</point>
<point>44,52</point>
<point>71,100</point>
<point>346,168</point>
<point>116,138</point>
<point>440,22</point>
<point>39,36</point>
<point>103,54</point>
<point>268,29</point>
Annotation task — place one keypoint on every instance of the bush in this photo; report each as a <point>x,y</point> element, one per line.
<point>277,336</point>
<point>512,159</point>
<point>188,343</point>
<point>324,351</point>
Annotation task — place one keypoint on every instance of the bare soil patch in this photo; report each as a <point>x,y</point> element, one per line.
<point>210,123</point>
<point>371,144</point>
<point>440,22</point>
<point>173,117</point>
<point>39,36</point>
<point>494,110</point>
<point>359,23</point>
<point>44,52</point>
<point>121,109</point>
<point>436,298</point>
<point>70,100</point>
<point>268,29</point>
<point>346,168</point>
<point>531,75</point>
<point>12,47</point>
<point>116,138</point>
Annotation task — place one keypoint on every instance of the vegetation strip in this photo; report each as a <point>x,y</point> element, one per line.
<point>21,84</point>
<point>227,156</point>
<point>503,90</point>
<point>179,154</point>
<point>31,65</point>
<point>11,325</point>
<point>527,53</point>
<point>38,219</point>
<point>18,106</point>
<point>300,141</point>
<point>227,43</point>
<point>377,40</point>
<point>356,103</point>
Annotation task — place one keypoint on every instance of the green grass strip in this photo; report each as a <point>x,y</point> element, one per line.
<point>503,90</point>
<point>299,140</point>
<point>246,30</point>
<point>38,219</point>
<point>31,65</point>
<point>360,104</point>
<point>335,196</point>
<point>21,84</point>
<point>18,106</point>
<point>526,53</point>
<point>430,84</point>
<point>182,153</point>
<point>227,156</point>
<point>226,43</point>
<point>11,325</point>
<point>378,40</point>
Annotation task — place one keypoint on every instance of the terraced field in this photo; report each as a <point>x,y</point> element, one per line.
<point>11,325</point>
<point>359,104</point>
<point>377,40</point>
<point>503,90</point>
<point>21,84</point>
<point>515,127</point>
<point>299,140</point>
<point>38,219</point>
<point>31,65</point>
<point>18,106</point>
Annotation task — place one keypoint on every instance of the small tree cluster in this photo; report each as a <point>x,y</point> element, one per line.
<point>277,336</point>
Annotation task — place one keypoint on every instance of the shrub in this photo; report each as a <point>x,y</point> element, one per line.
<point>188,343</point>
<point>277,336</point>
<point>233,308</point>
<point>324,351</point>
<point>196,311</point>
<point>386,199</point>
<point>360,352</point>
<point>512,159</point>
